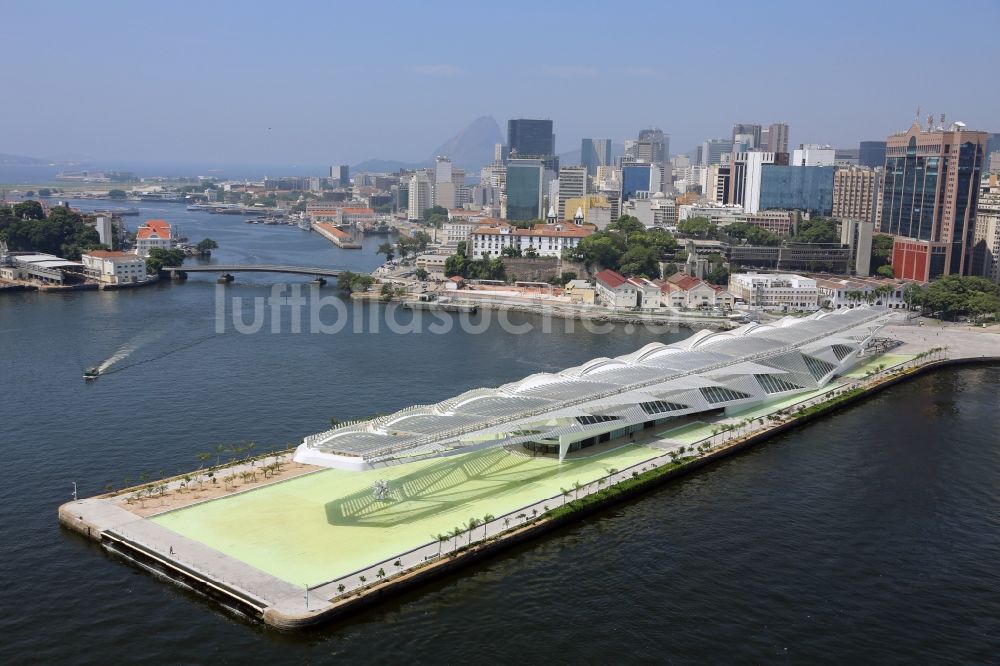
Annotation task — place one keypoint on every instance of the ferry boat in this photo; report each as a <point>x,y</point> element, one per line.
<point>91,373</point>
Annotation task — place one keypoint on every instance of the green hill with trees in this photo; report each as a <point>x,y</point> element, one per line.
<point>25,227</point>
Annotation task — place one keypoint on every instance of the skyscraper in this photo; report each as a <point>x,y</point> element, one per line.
<point>993,152</point>
<point>572,184</point>
<point>713,150</point>
<point>805,188</point>
<point>856,193</point>
<point>442,170</point>
<point>653,146</point>
<point>530,138</point>
<point>813,154</point>
<point>344,175</point>
<point>777,138</point>
<point>748,129</point>
<point>745,174</point>
<point>871,154</point>
<point>640,177</point>
<point>525,189</point>
<point>929,200</point>
<point>444,187</point>
<point>419,195</point>
<point>987,250</point>
<point>595,153</point>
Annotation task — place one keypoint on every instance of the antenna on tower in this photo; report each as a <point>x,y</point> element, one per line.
<point>942,121</point>
<point>930,121</point>
<point>917,117</point>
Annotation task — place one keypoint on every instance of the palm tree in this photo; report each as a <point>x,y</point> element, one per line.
<point>380,574</point>
<point>565,494</point>
<point>455,533</point>
<point>441,540</point>
<point>399,565</point>
<point>363,580</point>
<point>487,519</point>
<point>219,450</point>
<point>340,588</point>
<point>472,524</point>
<point>576,487</point>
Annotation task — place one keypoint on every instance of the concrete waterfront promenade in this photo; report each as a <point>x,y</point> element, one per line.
<point>301,550</point>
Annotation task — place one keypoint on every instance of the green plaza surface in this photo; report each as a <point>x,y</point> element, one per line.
<point>324,525</point>
<point>888,360</point>
<point>689,433</point>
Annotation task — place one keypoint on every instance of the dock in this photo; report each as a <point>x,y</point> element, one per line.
<point>337,236</point>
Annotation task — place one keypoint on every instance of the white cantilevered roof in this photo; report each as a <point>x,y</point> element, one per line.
<point>655,370</point>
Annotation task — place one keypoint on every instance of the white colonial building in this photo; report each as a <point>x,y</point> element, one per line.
<point>614,290</point>
<point>547,240</point>
<point>836,293</point>
<point>775,291</point>
<point>114,268</point>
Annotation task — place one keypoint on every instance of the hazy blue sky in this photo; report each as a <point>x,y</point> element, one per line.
<point>332,82</point>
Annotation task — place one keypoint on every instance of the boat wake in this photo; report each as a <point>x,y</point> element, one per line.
<point>137,342</point>
<point>157,357</point>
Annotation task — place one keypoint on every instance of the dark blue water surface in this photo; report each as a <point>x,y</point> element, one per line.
<point>871,536</point>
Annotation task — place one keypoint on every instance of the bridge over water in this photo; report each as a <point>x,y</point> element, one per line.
<point>226,270</point>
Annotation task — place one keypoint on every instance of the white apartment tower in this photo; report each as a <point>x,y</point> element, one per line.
<point>420,196</point>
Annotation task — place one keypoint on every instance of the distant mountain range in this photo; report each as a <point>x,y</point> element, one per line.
<point>22,160</point>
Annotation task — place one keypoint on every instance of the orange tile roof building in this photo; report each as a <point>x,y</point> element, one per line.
<point>153,234</point>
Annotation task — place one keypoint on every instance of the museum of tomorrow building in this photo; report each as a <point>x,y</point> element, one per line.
<point>609,399</point>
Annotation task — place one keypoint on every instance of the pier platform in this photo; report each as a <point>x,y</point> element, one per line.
<point>308,545</point>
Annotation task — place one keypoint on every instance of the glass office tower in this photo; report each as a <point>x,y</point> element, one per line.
<point>525,189</point>
<point>530,138</point>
